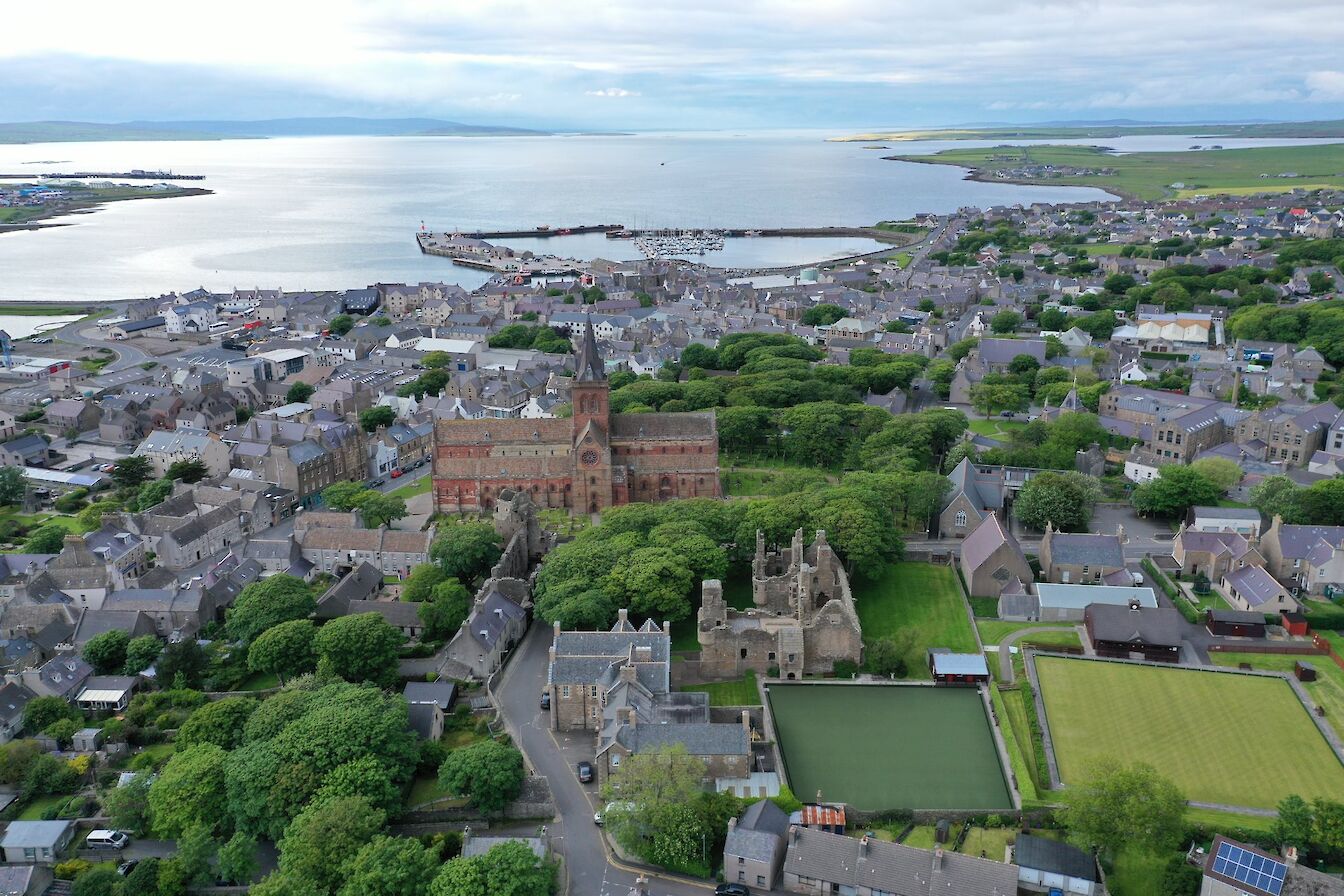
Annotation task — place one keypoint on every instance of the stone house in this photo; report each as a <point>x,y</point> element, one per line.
<point>823,862</point>
<point>753,852</point>
<point>584,665</point>
<point>1252,589</point>
<point>991,558</point>
<point>165,448</point>
<point>29,450</point>
<point>497,622</point>
<point>1212,554</point>
<point>1290,433</point>
<point>1308,558</point>
<point>392,551</point>
<point>1080,558</point>
<point>73,413</point>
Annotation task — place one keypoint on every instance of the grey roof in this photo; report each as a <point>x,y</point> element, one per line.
<point>759,833</point>
<point>420,718</point>
<point>1226,513</point>
<point>1297,541</point>
<point>13,698</point>
<point>894,867</point>
<point>1076,597</point>
<point>35,834</point>
<point>1254,585</point>
<point>699,738</point>
<point>1086,549</point>
<point>441,692</point>
<point>946,663</point>
<point>15,880</point>
<point>1155,626</point>
<point>1043,854</point>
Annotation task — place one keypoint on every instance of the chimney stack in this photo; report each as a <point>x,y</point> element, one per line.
<point>732,823</point>
<point>557,628</point>
<point>938,859</point>
<point>623,616</point>
<point>746,723</point>
<point>863,845</point>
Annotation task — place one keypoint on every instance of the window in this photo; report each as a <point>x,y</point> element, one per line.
<point>615,760</point>
<point>592,691</point>
<point>564,691</point>
<point>760,880</point>
<point>741,860</point>
<point>742,876</point>
<point>961,518</point>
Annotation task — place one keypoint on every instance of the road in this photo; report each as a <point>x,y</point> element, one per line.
<point>75,334</point>
<point>591,869</point>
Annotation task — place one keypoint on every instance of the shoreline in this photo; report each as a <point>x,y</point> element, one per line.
<point>979,175</point>
<point>45,217</point>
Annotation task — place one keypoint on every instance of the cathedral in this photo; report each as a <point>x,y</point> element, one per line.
<point>590,461</point>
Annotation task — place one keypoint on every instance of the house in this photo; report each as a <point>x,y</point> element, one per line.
<point>957,668</point>
<point>1212,554</point>
<point>1134,631</point>
<point>1046,865</point>
<point>76,414</point>
<point>24,880</point>
<point>1241,520</point>
<point>392,551</point>
<point>583,665</point>
<point>1252,589</point>
<point>977,490</point>
<point>1232,868</point>
<point>360,584</point>
<point>1234,623</point>
<point>820,862</point>
<point>1068,603</point>
<point>497,621</point>
<point>195,317</point>
<point>1309,558</point>
<point>102,693</point>
<point>29,450</point>
<point>36,842</point>
<point>753,852</point>
<point>165,448</point>
<point>13,699</point>
<point>402,616</point>
<point>991,558</point>
<point>1087,557</point>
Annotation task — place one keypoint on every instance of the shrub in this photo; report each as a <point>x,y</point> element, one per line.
<point>71,868</point>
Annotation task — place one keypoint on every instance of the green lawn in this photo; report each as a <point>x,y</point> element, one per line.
<point>730,693</point>
<point>1235,739</point>
<point>991,842</point>
<point>1213,820</point>
<point>1327,690</point>
<point>259,681</point>
<point>754,461</point>
<point>897,737</point>
<point>737,593</point>
<point>992,631</point>
<point>1137,872</point>
<point>996,427</point>
<point>919,598</point>
<point>1026,783</point>
<point>422,486</point>
<point>921,836</point>
<point>40,805</point>
<point>1151,175</point>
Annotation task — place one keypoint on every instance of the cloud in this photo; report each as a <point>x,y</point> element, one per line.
<point>612,92</point>
<point>1326,86</point>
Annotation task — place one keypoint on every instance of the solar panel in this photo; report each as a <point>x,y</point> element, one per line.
<point>1253,870</point>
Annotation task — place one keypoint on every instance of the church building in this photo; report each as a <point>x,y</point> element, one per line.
<point>590,461</point>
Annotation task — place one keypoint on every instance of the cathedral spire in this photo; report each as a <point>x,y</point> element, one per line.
<point>590,368</point>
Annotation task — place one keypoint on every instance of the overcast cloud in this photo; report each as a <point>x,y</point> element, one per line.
<point>694,63</point>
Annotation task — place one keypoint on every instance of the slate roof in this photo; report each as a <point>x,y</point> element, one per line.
<point>699,738</point>
<point>1254,585</point>
<point>1154,626</point>
<point>759,833</point>
<point>894,867</point>
<point>689,425</point>
<point>1086,549</point>
<point>1297,541</point>
<point>984,540</point>
<point>1043,854</point>
<point>1077,597</point>
<point>441,692</point>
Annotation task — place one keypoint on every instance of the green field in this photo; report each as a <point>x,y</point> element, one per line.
<point>1208,133</point>
<point>996,427</point>
<point>919,598</point>
<point>992,631</point>
<point>895,753</point>
<point>730,693</point>
<point>1238,740</point>
<point>421,486</point>
<point>1327,690</point>
<point>1150,175</point>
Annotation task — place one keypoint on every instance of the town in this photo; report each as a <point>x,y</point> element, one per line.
<point>1006,559</point>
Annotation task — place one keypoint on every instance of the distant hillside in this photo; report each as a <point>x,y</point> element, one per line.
<point>86,131</point>
<point>1103,130</point>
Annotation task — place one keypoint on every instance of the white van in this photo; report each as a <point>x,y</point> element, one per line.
<point>101,839</point>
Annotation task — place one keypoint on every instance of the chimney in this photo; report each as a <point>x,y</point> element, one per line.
<point>732,823</point>
<point>631,717</point>
<point>628,672</point>
<point>466,836</point>
<point>556,629</point>
<point>1134,605</point>
<point>937,858</point>
<point>1120,532</point>
<point>623,616</point>
<point>793,833</point>
<point>1289,853</point>
<point>863,845</point>
<point>746,723</point>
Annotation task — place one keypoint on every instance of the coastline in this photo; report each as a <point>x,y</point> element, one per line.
<point>45,217</point>
<point>980,175</point>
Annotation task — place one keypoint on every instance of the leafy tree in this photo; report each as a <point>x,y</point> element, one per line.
<point>127,806</point>
<point>1327,826</point>
<point>419,585</point>
<point>652,582</point>
<point>219,722</point>
<point>647,785</point>
<point>360,648</point>
<point>268,603</point>
<point>445,612</point>
<point>743,428</point>
<point>990,398</point>
<point>1064,499</point>
<point>131,471</point>
<point>1223,473</point>
<point>97,882</point>
<point>822,315</point>
<point>380,509</point>
<point>1119,806</point>
<point>189,471</point>
<point>48,775</point>
<point>320,846</point>
<point>189,791</point>
<point>1176,489</point>
<point>390,866</point>
<point>366,776</point>
<point>489,773</point>
<point>150,494</point>
<point>960,349</point>
<point>885,656</point>
<point>286,649</point>
<point>196,849</point>
<point>15,757</point>
<point>91,517</point>
<point>48,539</point>
<point>299,392</point>
<point>13,485</point>
<point>1024,366</point>
<point>141,653</point>
<point>186,659</point>
<point>42,711</point>
<point>1295,825</point>
<point>144,878</point>
<point>343,496</point>
<point>106,652</point>
<point>340,325</point>
<point>1321,503</point>
<point>374,417</point>
<point>238,859</point>
<point>509,869</point>
<point>62,731</point>
<point>1005,322</point>
<point>1052,319</point>
<point>1180,878</point>
<point>467,551</point>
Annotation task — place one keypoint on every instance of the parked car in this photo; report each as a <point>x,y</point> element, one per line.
<point>731,890</point>
<point>545,699</point>
<point>125,868</point>
<point>106,839</point>
<point>377,482</point>
<point>1008,414</point>
<point>397,474</point>
<point>585,772</point>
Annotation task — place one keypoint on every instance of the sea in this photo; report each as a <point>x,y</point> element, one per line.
<point>317,213</point>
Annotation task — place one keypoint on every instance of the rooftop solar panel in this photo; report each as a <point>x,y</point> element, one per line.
<point>1253,870</point>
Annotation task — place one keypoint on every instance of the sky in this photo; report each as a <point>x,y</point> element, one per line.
<point>649,64</point>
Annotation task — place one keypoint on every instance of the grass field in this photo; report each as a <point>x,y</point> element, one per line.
<point>919,598</point>
<point>894,752</point>
<point>1239,740</point>
<point>992,631</point>
<point>421,486</point>
<point>996,427</point>
<point>1149,175</point>
<point>1327,690</point>
<point>730,693</point>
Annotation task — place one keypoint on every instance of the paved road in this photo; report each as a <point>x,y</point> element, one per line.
<point>591,870</point>
<point>85,334</point>
<point>1006,653</point>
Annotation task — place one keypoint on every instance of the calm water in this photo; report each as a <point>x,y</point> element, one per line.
<point>21,325</point>
<point>332,212</point>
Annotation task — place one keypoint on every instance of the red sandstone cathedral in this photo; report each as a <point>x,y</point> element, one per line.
<point>593,460</point>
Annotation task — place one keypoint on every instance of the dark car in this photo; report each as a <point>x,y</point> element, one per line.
<point>731,890</point>
<point>585,772</point>
<point>126,868</point>
<point>545,699</point>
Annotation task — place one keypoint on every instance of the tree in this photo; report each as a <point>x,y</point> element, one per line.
<point>189,791</point>
<point>183,658</point>
<point>151,493</point>
<point>466,551</point>
<point>144,878</point>
<point>990,398</point>
<point>286,649</point>
<point>1064,499</point>
<point>196,849</point>
<point>320,845</point>
<point>1295,825</point>
<point>1024,366</point>
<point>13,485</point>
<point>1223,473</point>
<point>219,722</point>
<point>268,603</point>
<point>48,539</point>
<point>238,859</point>
<point>189,471</point>
<point>652,582</point>
<point>419,585</point>
<point>1175,490</point>
<point>1118,806</point>
<point>390,866</point>
<point>374,417</point>
<point>1005,322</point>
<point>131,471</point>
<point>106,652</point>
<point>823,314</point>
<point>646,786</point>
<point>62,731</point>
<point>509,869</point>
<point>299,392</point>
<point>445,612</point>
<point>489,773</point>
<point>1052,320</point>
<point>359,648</point>
<point>97,882</point>
<point>15,757</point>
<point>340,325</point>
<point>1180,878</point>
<point>1275,496</point>
<point>885,656</point>
<point>381,509</point>
<point>343,497</point>
<point>141,653</point>
<point>127,806</point>
<point>42,711</point>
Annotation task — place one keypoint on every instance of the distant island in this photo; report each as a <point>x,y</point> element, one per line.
<point>1103,130</point>
<point>86,131</point>
<point>25,206</point>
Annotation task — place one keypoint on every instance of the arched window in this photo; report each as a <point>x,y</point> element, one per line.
<point>961,517</point>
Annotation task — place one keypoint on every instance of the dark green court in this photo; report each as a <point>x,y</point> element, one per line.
<point>881,747</point>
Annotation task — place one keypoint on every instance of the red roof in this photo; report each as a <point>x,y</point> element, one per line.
<point>823,815</point>
<point>1298,212</point>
